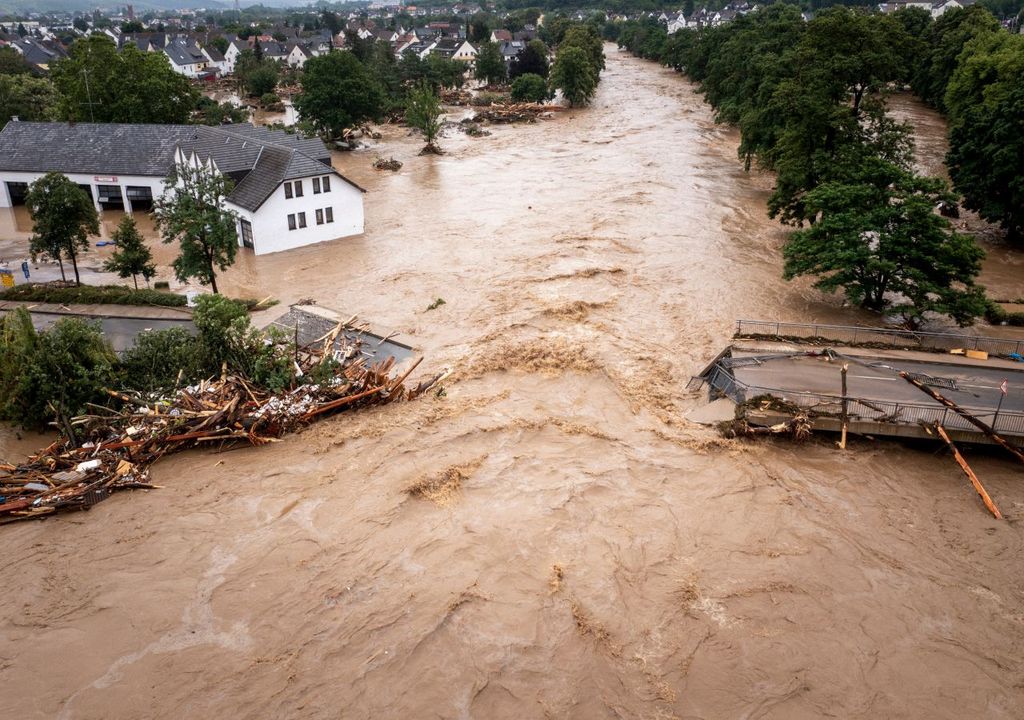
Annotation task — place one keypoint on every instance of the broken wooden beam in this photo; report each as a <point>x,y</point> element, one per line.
<point>984,427</point>
<point>970,473</point>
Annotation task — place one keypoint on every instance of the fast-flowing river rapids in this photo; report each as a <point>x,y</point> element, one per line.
<point>592,553</point>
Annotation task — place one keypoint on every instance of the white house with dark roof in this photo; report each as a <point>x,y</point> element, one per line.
<point>286,194</point>
<point>186,58</point>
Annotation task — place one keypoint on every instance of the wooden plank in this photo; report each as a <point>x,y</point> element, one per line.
<point>970,473</point>
<point>998,439</point>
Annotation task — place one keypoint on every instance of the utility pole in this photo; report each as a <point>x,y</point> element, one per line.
<point>88,94</point>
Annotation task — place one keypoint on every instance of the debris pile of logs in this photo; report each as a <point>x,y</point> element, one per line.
<point>514,112</point>
<point>456,97</point>
<point>390,164</point>
<point>114,449</point>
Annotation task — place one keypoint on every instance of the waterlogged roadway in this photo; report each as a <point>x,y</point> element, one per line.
<point>586,552</point>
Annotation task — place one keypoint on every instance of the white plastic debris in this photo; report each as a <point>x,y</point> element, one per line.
<point>88,465</point>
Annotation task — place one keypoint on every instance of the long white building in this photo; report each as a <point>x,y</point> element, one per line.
<point>286,194</point>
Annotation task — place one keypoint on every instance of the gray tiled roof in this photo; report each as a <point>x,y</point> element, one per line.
<point>269,157</point>
<point>91,148</point>
<point>184,53</point>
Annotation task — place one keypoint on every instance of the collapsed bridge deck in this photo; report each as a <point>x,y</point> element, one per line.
<point>772,381</point>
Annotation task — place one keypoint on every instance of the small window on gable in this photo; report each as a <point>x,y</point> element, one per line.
<point>327,184</point>
<point>319,217</point>
<point>298,188</point>
<point>329,212</point>
<point>302,220</point>
<point>316,186</point>
<point>287,190</point>
<point>291,222</point>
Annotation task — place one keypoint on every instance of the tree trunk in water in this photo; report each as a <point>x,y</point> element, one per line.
<point>213,281</point>
<point>135,279</point>
<point>62,277</point>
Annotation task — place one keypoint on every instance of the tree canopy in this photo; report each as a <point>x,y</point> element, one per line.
<point>96,83</point>
<point>192,215</point>
<point>809,101</point>
<point>985,101</point>
<point>490,65</point>
<point>423,112</point>
<point>63,218</point>
<point>132,257</point>
<point>338,93</point>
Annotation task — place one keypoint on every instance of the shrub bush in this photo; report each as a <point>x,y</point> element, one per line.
<point>92,295</point>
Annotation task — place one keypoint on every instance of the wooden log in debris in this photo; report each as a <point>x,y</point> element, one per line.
<point>984,427</point>
<point>969,473</point>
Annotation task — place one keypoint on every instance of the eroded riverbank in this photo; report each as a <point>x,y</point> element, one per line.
<point>602,557</point>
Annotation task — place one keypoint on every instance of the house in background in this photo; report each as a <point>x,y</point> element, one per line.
<point>186,58</point>
<point>286,194</point>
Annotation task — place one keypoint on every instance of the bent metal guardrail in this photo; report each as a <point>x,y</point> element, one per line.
<point>882,411</point>
<point>881,336</point>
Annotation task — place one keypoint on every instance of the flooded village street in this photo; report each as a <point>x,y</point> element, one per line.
<point>594,553</point>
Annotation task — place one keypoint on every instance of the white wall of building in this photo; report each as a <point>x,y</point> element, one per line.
<point>270,223</point>
<point>155,184</point>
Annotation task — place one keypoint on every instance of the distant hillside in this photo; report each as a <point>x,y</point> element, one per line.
<point>21,7</point>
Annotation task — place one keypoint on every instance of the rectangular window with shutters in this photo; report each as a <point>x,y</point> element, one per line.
<point>302,220</point>
<point>319,217</point>
<point>316,186</point>
<point>291,222</point>
<point>327,184</point>
<point>298,188</point>
<point>329,212</point>
<point>288,190</point>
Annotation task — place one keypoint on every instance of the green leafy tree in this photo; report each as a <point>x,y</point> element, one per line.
<point>132,26</point>
<point>27,98</point>
<point>61,370</point>
<point>12,62</point>
<point>945,40</point>
<point>423,112</point>
<point>192,215</point>
<point>262,80</point>
<point>574,75</point>
<point>132,256</point>
<point>587,39</point>
<point>533,60</point>
<point>220,43</point>
<point>984,99</point>
<point>530,88</point>
<point>554,29</point>
<point>228,339</point>
<point>878,238</point>
<point>337,93</point>
<point>986,161</point>
<point>63,218</point>
<point>98,83</point>
<point>490,65</point>
<point>444,72</point>
<point>159,358</point>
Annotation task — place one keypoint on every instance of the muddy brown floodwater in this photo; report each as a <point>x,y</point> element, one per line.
<point>578,549</point>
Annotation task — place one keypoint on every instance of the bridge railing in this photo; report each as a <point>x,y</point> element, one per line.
<point>1005,422</point>
<point>878,336</point>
